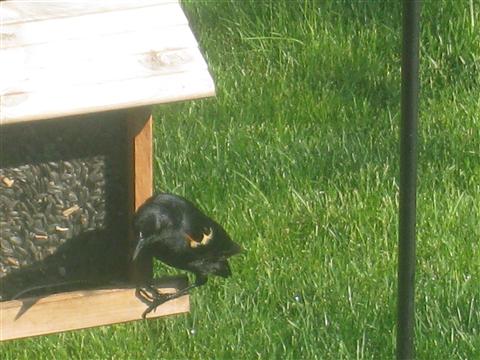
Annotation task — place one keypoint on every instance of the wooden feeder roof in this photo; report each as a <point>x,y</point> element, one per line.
<point>69,58</point>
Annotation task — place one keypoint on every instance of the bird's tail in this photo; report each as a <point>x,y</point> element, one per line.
<point>233,249</point>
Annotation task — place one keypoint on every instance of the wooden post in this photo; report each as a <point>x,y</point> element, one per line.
<point>139,132</point>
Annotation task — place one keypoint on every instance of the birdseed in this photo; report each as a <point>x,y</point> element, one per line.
<point>63,201</point>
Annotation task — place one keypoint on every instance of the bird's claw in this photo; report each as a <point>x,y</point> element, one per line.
<point>151,297</point>
<point>156,302</point>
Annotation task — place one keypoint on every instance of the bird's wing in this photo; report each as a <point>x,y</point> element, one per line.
<point>152,225</point>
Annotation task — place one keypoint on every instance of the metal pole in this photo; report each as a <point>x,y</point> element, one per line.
<point>408,170</point>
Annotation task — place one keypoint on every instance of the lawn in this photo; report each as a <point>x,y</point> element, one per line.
<point>297,156</point>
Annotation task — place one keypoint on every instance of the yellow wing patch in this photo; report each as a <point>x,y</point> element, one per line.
<point>205,239</point>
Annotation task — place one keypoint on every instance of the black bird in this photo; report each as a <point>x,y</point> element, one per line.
<point>173,230</point>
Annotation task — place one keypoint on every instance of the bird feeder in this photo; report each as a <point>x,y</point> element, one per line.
<point>78,80</point>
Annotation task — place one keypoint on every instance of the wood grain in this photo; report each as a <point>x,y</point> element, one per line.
<point>82,309</point>
<point>69,52</point>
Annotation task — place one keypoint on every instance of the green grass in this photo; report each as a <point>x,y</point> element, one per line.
<point>298,157</point>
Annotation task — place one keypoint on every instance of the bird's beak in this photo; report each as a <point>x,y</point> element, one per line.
<point>139,247</point>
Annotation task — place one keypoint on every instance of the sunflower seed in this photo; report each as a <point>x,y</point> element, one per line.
<point>70,210</point>
<point>8,182</point>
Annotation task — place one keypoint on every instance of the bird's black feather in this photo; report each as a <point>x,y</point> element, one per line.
<point>173,230</point>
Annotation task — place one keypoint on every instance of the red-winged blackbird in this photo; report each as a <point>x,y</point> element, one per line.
<point>175,231</point>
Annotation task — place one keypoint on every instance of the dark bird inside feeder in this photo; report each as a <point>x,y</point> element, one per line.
<point>173,230</point>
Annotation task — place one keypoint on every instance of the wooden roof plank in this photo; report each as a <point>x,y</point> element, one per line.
<point>59,102</point>
<point>107,69</point>
<point>95,24</point>
<point>23,11</point>
<point>46,55</point>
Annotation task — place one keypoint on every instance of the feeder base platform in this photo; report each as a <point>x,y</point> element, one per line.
<point>82,309</point>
